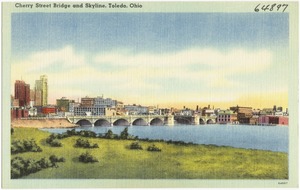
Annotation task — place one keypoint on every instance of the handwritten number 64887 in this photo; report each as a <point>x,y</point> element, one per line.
<point>271,7</point>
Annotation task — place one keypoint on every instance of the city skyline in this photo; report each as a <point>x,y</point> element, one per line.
<point>165,59</point>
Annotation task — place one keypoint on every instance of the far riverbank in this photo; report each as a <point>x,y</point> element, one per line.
<point>42,123</point>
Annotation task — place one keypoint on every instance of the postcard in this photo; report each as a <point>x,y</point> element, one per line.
<point>150,94</point>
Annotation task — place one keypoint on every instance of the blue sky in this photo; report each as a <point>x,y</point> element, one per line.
<point>160,57</point>
<point>146,32</point>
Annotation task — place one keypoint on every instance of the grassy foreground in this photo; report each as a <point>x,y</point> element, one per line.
<point>117,161</point>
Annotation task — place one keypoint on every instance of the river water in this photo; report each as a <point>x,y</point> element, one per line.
<point>273,138</point>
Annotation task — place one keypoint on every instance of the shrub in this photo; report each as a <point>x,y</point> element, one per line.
<point>44,163</point>
<point>17,163</point>
<point>31,166</point>
<point>24,146</point>
<point>88,134</point>
<point>56,143</point>
<point>153,148</point>
<point>85,144</point>
<point>12,130</point>
<point>71,132</point>
<point>54,159</point>
<point>86,158</point>
<point>49,139</point>
<point>21,167</point>
<point>15,173</point>
<point>135,145</point>
<point>53,141</point>
<point>17,167</point>
<point>182,143</point>
<point>61,159</point>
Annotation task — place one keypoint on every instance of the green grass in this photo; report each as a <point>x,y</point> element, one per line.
<point>117,161</point>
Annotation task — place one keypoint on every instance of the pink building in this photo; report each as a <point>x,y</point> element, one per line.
<point>283,120</point>
<point>271,119</point>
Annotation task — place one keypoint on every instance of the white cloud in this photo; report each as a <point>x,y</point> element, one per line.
<point>238,59</point>
<point>143,74</point>
<point>64,58</point>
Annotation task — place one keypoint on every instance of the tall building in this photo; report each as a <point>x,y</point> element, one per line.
<point>42,85</point>
<point>22,93</point>
<point>38,98</point>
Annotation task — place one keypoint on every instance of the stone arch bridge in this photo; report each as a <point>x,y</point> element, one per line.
<point>195,119</point>
<point>141,120</point>
<point>126,120</point>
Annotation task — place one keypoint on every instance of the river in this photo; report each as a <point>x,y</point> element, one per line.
<point>273,138</point>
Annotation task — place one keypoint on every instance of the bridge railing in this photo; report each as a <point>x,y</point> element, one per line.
<point>115,116</point>
<point>40,118</point>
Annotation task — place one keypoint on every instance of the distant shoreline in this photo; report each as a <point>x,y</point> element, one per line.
<point>42,123</point>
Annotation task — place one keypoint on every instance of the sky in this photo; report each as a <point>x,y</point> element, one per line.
<point>161,59</point>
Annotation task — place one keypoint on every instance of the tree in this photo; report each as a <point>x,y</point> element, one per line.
<point>109,134</point>
<point>124,134</point>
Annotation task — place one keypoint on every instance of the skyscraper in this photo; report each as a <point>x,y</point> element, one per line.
<point>38,98</point>
<point>22,93</point>
<point>42,86</point>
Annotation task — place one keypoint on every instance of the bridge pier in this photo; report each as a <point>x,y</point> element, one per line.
<point>195,120</point>
<point>169,120</point>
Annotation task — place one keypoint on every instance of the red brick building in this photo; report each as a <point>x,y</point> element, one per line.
<point>275,120</point>
<point>22,93</point>
<point>48,110</point>
<point>19,113</point>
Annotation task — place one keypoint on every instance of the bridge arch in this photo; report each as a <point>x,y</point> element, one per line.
<point>201,121</point>
<point>84,122</point>
<point>156,122</point>
<point>121,122</point>
<point>102,122</point>
<point>210,121</point>
<point>140,122</point>
<point>182,120</point>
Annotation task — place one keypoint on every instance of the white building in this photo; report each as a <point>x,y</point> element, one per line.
<point>105,102</point>
<point>136,109</point>
<point>97,108</point>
